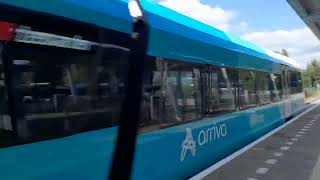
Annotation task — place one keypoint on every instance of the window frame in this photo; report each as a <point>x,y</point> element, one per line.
<point>212,68</point>
<point>255,89</point>
<point>297,75</point>
<point>282,88</point>
<point>94,34</point>
<point>188,65</point>
<point>259,75</point>
<point>206,69</point>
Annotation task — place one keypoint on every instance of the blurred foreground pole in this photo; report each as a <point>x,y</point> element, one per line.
<point>130,115</point>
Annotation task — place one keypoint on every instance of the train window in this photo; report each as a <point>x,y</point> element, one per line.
<point>265,86</point>
<point>295,82</point>
<point>219,90</point>
<point>172,94</point>
<point>247,89</point>
<point>277,87</point>
<point>59,91</point>
<point>269,87</point>
<point>183,91</point>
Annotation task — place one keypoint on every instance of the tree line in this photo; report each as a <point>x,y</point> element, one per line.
<point>311,75</point>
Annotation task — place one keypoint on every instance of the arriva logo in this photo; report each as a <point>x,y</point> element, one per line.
<point>188,145</point>
<point>204,137</point>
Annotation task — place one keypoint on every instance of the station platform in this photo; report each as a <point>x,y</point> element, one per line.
<point>290,152</point>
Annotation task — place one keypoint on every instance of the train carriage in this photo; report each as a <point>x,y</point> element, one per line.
<point>64,67</point>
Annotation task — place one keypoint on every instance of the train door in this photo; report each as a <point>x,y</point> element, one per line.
<point>286,93</point>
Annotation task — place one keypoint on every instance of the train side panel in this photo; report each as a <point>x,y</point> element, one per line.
<point>159,153</point>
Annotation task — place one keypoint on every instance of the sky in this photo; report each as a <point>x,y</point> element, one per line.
<point>272,24</point>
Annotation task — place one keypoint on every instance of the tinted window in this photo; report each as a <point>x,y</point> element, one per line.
<point>265,86</point>
<point>295,82</point>
<point>247,89</point>
<point>277,87</point>
<point>269,87</point>
<point>59,91</point>
<point>219,90</point>
<point>172,94</point>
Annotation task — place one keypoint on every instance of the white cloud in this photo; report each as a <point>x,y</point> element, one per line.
<point>214,16</point>
<point>301,44</point>
<point>241,27</point>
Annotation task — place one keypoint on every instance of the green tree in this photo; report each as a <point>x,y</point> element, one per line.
<point>311,76</point>
<point>284,52</point>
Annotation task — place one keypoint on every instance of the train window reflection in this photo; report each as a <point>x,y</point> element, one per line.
<point>172,94</point>
<point>66,93</point>
<point>277,87</point>
<point>219,90</point>
<point>265,86</point>
<point>247,89</point>
<point>269,87</point>
<point>295,82</point>
<point>177,92</point>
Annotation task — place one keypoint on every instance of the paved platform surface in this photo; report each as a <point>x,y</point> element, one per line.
<point>292,153</point>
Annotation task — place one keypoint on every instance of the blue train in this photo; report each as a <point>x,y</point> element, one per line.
<point>63,71</point>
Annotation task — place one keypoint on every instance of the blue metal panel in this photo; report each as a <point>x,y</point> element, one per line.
<point>83,156</point>
<point>112,14</point>
<point>242,128</point>
<point>297,102</point>
<point>189,28</point>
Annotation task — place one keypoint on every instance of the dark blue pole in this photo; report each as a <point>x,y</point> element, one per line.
<point>130,115</point>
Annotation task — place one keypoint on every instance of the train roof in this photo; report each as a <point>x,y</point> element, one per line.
<point>173,35</point>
